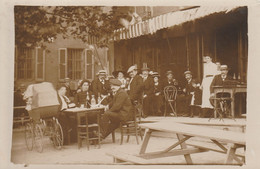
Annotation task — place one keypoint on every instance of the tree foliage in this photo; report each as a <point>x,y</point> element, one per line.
<point>35,25</point>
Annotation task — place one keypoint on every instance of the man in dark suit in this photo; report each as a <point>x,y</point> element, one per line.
<point>100,85</point>
<point>148,88</point>
<point>170,81</point>
<point>221,80</point>
<point>120,109</point>
<point>135,85</point>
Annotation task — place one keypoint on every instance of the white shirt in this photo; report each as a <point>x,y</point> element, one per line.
<point>64,104</point>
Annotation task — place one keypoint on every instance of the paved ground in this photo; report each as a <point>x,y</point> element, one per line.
<point>72,155</point>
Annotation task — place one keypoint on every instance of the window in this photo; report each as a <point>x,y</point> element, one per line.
<point>76,64</point>
<point>29,63</point>
<point>40,66</point>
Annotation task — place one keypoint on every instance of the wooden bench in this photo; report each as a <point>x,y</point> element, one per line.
<point>227,141</point>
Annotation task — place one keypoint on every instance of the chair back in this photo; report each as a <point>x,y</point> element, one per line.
<point>170,93</point>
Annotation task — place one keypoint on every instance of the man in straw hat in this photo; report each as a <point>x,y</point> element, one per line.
<point>100,86</point>
<point>120,109</point>
<point>135,85</point>
<point>221,80</point>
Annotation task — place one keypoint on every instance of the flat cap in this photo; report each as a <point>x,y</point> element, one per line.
<point>131,69</point>
<point>169,72</point>
<point>223,67</point>
<point>115,82</point>
<point>187,72</point>
<point>102,72</point>
<point>155,74</point>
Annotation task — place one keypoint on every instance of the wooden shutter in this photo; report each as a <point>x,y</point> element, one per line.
<point>40,64</point>
<point>89,64</point>
<point>62,63</point>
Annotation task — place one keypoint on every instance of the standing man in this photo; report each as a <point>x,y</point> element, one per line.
<point>188,90</point>
<point>135,86</point>
<point>210,70</point>
<point>147,91</point>
<point>100,85</point>
<point>120,109</point>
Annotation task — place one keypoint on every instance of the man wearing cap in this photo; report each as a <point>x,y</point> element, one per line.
<point>189,91</point>
<point>120,109</point>
<point>135,85</point>
<point>100,86</point>
<point>170,81</point>
<point>221,80</point>
<point>147,91</point>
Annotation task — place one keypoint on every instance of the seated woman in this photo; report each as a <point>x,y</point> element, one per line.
<point>83,99</point>
<point>67,124</point>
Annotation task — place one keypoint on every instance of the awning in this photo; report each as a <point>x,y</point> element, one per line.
<point>154,24</point>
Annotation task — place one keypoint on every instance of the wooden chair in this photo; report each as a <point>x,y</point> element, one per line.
<point>131,127</point>
<point>85,130</point>
<point>170,94</point>
<point>222,107</point>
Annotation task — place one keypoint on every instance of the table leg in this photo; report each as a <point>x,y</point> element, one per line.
<point>230,154</point>
<point>147,136</point>
<point>184,146</point>
<point>233,104</point>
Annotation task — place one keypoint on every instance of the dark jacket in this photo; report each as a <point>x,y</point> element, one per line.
<point>158,88</point>
<point>81,98</point>
<point>122,105</point>
<point>148,86</point>
<point>136,87</point>
<point>218,81</point>
<point>100,88</point>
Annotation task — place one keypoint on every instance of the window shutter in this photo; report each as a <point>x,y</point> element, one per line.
<point>89,64</point>
<point>62,63</point>
<point>40,64</point>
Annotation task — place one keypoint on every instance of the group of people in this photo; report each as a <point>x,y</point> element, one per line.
<point>122,92</point>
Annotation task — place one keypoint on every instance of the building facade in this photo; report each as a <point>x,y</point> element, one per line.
<point>59,59</point>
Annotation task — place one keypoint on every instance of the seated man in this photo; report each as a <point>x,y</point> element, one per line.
<point>221,80</point>
<point>120,109</point>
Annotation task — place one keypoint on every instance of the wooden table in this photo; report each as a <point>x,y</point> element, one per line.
<point>184,132</point>
<point>232,90</point>
<point>78,113</point>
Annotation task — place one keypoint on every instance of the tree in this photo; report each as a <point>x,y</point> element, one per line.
<point>35,25</point>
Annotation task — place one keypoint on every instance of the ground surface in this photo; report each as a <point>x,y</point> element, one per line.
<point>72,155</point>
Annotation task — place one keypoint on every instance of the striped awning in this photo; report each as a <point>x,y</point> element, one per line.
<point>154,24</point>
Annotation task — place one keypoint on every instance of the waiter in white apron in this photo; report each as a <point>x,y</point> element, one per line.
<point>210,70</point>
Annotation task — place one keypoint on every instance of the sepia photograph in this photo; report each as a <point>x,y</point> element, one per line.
<point>123,85</point>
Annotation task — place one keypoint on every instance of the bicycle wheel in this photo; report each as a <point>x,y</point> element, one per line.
<point>29,136</point>
<point>57,135</point>
<point>38,138</point>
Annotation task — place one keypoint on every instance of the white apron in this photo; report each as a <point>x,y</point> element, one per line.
<point>210,69</point>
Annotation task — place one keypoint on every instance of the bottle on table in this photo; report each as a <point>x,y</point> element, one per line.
<point>99,98</point>
<point>93,100</point>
